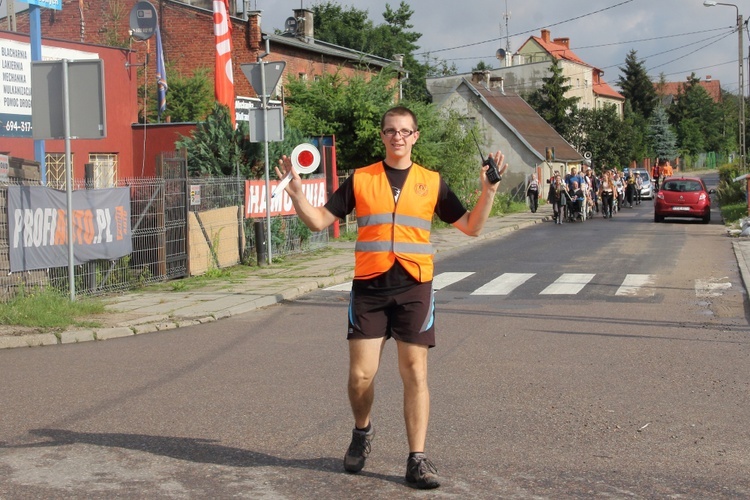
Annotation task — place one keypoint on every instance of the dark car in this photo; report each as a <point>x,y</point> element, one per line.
<point>683,197</point>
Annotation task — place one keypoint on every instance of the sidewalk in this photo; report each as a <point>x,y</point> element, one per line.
<point>160,308</point>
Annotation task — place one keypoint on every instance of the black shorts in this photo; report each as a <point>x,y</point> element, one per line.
<point>408,316</point>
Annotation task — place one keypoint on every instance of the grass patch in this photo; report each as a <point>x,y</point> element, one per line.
<point>733,212</point>
<point>347,236</point>
<point>49,309</point>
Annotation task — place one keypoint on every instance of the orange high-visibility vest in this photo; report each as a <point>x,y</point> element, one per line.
<point>387,230</point>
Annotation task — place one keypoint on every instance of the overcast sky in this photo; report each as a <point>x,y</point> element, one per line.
<point>691,37</point>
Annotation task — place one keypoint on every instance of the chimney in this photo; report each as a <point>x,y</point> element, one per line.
<point>708,78</point>
<point>563,41</point>
<point>545,36</point>
<point>254,33</point>
<point>305,19</point>
<point>497,82</point>
<point>481,77</point>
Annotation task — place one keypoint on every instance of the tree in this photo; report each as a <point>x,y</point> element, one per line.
<point>663,139</point>
<point>635,133</point>
<point>190,99</point>
<point>346,27</point>
<point>481,66</point>
<point>351,28</point>
<point>552,105</point>
<point>215,148</point>
<point>349,108</point>
<point>660,88</point>
<point>636,86</point>
<point>698,119</point>
<point>610,140</point>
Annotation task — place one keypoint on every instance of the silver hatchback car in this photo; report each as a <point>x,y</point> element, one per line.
<point>647,188</point>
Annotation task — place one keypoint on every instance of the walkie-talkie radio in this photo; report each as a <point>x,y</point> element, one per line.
<point>493,174</point>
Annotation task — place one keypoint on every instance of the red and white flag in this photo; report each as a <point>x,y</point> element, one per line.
<point>223,75</point>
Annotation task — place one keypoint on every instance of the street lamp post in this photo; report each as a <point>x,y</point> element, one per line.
<point>399,58</point>
<point>712,3</point>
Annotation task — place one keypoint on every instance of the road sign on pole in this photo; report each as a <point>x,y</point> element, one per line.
<point>264,76</point>
<point>253,72</point>
<point>257,127</point>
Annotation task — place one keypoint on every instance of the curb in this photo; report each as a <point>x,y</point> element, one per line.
<point>742,263</point>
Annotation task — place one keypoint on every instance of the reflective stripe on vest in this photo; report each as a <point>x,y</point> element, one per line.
<point>390,231</point>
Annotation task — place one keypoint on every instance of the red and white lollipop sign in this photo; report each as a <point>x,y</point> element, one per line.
<point>305,160</point>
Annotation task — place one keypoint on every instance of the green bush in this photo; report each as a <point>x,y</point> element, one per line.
<point>730,192</point>
<point>734,212</point>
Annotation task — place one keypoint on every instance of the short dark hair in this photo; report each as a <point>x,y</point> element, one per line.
<point>399,111</point>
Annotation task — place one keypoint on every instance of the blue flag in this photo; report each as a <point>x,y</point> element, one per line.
<point>161,75</point>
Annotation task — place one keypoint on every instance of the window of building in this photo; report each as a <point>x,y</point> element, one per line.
<point>55,164</point>
<point>105,169</point>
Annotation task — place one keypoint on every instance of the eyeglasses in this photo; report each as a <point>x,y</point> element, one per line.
<point>404,133</point>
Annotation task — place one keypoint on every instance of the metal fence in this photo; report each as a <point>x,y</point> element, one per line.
<point>166,244</point>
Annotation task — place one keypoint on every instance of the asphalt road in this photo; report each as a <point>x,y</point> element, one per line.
<point>591,394</point>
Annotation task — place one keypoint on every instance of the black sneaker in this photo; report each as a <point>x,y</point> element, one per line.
<point>421,473</point>
<point>359,448</point>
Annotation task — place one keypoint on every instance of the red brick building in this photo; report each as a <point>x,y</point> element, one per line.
<point>187,33</point>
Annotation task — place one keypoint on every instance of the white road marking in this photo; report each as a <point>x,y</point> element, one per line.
<point>568,284</point>
<point>504,284</point>
<point>440,281</point>
<point>443,280</point>
<point>712,287</point>
<point>637,285</point>
<point>634,285</point>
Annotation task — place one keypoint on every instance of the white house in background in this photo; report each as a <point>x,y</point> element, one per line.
<point>522,73</point>
<point>509,124</point>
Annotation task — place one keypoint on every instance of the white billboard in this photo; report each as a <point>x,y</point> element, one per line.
<point>15,82</point>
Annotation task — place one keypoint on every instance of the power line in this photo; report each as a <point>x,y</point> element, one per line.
<point>689,53</point>
<point>617,43</point>
<point>653,38</point>
<point>534,30</point>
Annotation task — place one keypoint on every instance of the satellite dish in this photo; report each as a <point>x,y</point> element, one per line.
<point>290,25</point>
<point>500,54</point>
<point>143,19</point>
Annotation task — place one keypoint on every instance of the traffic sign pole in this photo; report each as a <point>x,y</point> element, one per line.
<point>264,104</point>
<point>264,76</point>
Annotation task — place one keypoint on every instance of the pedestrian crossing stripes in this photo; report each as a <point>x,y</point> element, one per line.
<point>635,284</point>
<point>503,284</point>
<point>711,287</point>
<point>443,280</point>
<point>567,284</point>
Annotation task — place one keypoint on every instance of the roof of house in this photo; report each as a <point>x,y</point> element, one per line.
<point>525,123</point>
<point>559,48</point>
<point>329,49</point>
<point>713,87</point>
<point>603,89</point>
